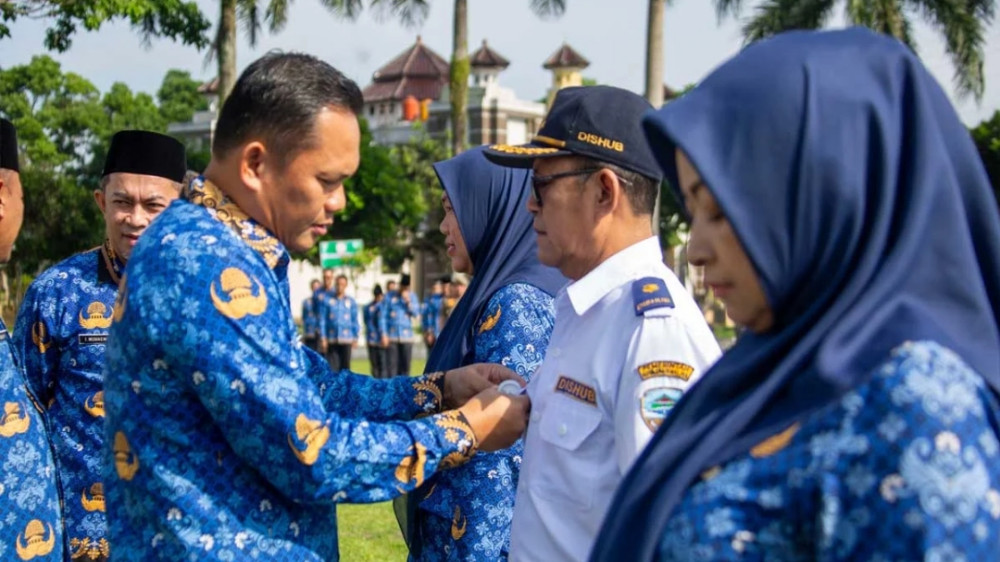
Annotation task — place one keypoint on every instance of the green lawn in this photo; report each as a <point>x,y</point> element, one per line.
<point>369,533</point>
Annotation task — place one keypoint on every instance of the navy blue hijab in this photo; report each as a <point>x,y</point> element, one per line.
<point>866,212</point>
<point>490,205</point>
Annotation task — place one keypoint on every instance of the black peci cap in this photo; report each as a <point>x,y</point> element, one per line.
<point>8,146</point>
<point>599,122</point>
<point>146,153</point>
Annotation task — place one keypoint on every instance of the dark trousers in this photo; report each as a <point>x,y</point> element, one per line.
<point>312,343</point>
<point>400,354</point>
<point>377,357</point>
<point>338,355</point>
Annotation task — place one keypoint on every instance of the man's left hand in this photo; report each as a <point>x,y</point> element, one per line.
<point>465,382</point>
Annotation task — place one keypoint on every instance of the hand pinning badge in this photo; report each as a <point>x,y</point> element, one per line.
<point>511,387</point>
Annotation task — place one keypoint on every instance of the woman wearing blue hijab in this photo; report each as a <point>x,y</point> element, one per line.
<point>841,212</point>
<point>506,316</point>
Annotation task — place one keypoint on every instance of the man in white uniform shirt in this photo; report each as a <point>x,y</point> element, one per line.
<point>628,339</point>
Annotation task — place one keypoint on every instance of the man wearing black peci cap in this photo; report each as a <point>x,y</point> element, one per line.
<point>63,325</point>
<point>31,524</point>
<point>628,338</point>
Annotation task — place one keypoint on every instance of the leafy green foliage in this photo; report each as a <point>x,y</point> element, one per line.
<point>987,138</point>
<point>179,97</point>
<point>64,128</point>
<point>392,199</point>
<point>180,20</point>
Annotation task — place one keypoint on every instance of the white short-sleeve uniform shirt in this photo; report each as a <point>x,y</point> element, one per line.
<point>628,341</point>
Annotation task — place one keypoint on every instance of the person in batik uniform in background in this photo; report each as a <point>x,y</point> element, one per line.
<point>310,316</point>
<point>226,438</point>
<point>31,526</point>
<point>506,317</point>
<point>375,332</point>
<point>843,214</point>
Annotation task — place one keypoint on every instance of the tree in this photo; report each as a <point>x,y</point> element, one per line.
<point>459,70</point>
<point>391,199</point>
<point>64,128</point>
<point>962,23</point>
<point>254,15</point>
<point>987,138</point>
<point>180,20</point>
<point>654,71</point>
<point>179,97</point>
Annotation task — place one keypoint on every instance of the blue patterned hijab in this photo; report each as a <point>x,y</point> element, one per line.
<point>862,203</point>
<point>490,205</point>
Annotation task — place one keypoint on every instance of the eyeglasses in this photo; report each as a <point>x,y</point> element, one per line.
<point>538,182</point>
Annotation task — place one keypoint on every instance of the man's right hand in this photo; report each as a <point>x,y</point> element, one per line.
<point>322,345</point>
<point>385,341</point>
<point>497,419</point>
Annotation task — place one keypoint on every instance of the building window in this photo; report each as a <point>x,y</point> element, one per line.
<point>371,110</point>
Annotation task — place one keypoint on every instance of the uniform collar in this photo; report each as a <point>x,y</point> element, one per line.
<point>208,195</point>
<point>111,267</point>
<point>611,273</point>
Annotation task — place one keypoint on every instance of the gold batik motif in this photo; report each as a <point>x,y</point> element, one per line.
<point>205,193</point>
<point>35,541</point>
<point>774,443</point>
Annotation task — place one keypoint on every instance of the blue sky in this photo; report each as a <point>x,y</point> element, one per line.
<point>611,34</point>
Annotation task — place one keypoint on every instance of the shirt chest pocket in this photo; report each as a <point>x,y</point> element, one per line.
<point>569,472</point>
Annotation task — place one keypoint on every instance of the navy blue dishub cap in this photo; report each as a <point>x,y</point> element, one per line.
<point>8,146</point>
<point>599,122</point>
<point>146,153</point>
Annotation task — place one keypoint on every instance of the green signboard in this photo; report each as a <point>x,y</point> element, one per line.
<point>336,252</point>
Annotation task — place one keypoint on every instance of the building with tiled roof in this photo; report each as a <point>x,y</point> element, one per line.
<point>414,87</point>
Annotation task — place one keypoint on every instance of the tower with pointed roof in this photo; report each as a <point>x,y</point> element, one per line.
<point>566,65</point>
<point>486,65</point>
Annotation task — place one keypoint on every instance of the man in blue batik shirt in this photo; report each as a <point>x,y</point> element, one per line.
<point>310,316</point>
<point>31,526</point>
<point>401,308</point>
<point>71,304</point>
<point>226,438</point>
<point>430,321</point>
<point>339,327</point>
<point>375,333</point>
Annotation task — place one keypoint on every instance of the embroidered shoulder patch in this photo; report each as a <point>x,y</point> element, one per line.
<point>650,293</point>
<point>655,404</point>
<point>673,369</point>
<point>578,390</point>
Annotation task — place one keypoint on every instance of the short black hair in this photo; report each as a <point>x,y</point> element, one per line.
<point>276,99</point>
<point>341,276</point>
<point>640,190</point>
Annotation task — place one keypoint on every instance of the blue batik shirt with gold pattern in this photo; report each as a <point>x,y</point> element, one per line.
<point>227,439</point>
<point>906,467</point>
<point>375,323</point>
<point>310,316</point>
<point>399,316</point>
<point>30,521</point>
<point>338,318</point>
<point>465,513</point>
<point>61,332</point>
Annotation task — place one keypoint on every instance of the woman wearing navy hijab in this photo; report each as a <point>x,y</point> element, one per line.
<point>506,316</point>
<point>841,212</point>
